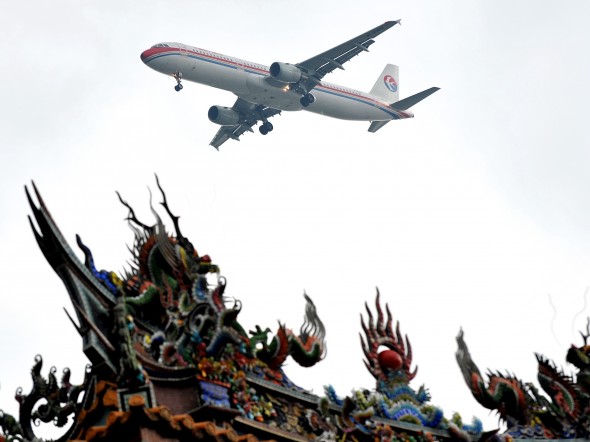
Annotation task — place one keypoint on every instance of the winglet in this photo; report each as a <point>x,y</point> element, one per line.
<point>391,23</point>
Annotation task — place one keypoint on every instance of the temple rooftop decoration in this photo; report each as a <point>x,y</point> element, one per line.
<point>564,414</point>
<point>170,361</point>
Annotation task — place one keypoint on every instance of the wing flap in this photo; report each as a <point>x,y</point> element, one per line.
<point>338,62</point>
<point>229,132</point>
<point>323,63</point>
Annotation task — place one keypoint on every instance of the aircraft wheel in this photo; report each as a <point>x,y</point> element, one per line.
<point>304,101</point>
<point>178,87</point>
<point>310,98</point>
<point>263,129</point>
<point>269,126</point>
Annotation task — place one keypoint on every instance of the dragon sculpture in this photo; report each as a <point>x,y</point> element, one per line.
<point>179,317</point>
<point>565,414</point>
<point>389,359</point>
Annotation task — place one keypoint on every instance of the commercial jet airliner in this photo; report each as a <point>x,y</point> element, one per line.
<point>266,91</point>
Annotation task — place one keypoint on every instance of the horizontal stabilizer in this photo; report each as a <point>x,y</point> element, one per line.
<point>376,125</point>
<point>407,103</point>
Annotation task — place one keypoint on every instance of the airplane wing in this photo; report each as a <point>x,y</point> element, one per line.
<point>250,115</point>
<point>320,65</point>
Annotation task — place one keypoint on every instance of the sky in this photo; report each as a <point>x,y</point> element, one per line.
<point>473,214</point>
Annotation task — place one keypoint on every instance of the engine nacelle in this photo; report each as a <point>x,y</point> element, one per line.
<point>285,72</point>
<point>224,116</point>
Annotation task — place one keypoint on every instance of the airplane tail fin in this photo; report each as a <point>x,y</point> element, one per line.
<point>387,85</point>
<point>387,88</point>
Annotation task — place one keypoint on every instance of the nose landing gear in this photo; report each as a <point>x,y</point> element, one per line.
<point>307,99</point>
<point>178,77</point>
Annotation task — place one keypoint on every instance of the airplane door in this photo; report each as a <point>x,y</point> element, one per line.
<point>240,80</point>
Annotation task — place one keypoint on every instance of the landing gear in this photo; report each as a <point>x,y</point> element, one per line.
<point>265,128</point>
<point>306,100</point>
<point>178,77</point>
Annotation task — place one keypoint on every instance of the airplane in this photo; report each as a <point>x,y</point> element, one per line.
<point>264,92</point>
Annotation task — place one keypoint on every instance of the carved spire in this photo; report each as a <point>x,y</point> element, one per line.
<point>396,358</point>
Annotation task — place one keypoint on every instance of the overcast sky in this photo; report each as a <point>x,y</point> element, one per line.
<point>474,214</point>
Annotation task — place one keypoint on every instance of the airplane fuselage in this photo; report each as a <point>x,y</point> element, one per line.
<point>251,82</point>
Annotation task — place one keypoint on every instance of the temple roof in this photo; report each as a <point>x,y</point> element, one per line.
<point>169,359</point>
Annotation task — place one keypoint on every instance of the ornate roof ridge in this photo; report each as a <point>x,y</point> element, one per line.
<point>171,361</point>
<point>161,419</point>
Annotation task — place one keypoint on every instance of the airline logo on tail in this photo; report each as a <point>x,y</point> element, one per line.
<point>390,83</point>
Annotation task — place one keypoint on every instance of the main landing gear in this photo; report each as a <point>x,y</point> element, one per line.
<point>306,100</point>
<point>178,77</point>
<point>265,128</point>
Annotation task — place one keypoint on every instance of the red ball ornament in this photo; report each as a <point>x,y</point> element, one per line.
<point>389,359</point>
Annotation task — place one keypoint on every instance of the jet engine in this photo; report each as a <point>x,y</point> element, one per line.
<point>285,72</point>
<point>224,116</point>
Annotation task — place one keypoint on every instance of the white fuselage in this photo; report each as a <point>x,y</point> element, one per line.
<point>248,81</point>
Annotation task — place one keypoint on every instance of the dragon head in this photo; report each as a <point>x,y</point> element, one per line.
<point>580,358</point>
<point>388,354</point>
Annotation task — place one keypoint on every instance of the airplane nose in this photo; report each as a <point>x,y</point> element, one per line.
<point>147,54</point>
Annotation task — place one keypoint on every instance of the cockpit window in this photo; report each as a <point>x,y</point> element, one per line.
<point>160,45</point>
